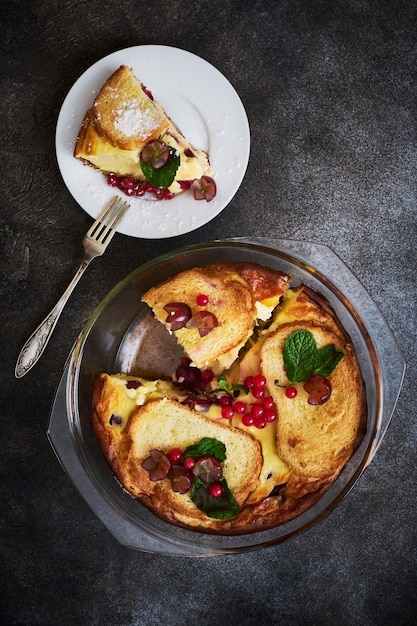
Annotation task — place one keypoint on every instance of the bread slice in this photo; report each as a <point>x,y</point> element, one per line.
<point>122,120</point>
<point>315,441</point>
<point>124,114</point>
<point>299,303</point>
<point>165,424</point>
<point>232,299</point>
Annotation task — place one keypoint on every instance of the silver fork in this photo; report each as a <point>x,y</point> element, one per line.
<point>95,243</point>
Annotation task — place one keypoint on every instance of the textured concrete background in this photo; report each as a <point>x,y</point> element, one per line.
<point>330,92</point>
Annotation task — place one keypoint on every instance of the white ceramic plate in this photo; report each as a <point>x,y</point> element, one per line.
<point>203,104</point>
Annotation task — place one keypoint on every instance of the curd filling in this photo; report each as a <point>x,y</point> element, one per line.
<point>111,159</point>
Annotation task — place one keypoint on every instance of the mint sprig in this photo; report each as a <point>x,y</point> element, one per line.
<point>164,176</point>
<point>222,507</point>
<point>207,446</point>
<point>302,358</point>
<point>229,389</point>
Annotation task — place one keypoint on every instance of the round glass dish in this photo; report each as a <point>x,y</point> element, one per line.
<point>121,336</point>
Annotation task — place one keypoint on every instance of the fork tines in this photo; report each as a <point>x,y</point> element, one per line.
<point>107,222</point>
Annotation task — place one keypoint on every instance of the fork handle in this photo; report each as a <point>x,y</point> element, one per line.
<point>36,344</point>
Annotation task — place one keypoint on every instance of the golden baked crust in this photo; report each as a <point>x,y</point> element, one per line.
<point>300,454</point>
<point>264,282</point>
<point>165,424</point>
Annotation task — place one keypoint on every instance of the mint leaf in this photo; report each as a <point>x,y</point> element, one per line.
<point>327,359</point>
<point>300,352</point>
<point>164,176</point>
<point>224,507</point>
<point>302,359</point>
<point>206,447</point>
<point>224,386</point>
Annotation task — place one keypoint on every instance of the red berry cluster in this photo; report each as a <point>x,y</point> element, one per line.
<point>258,413</point>
<point>207,467</point>
<point>138,188</point>
<point>182,474</point>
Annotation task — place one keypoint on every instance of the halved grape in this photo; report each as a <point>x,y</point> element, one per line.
<point>115,420</point>
<point>156,154</point>
<point>133,384</point>
<point>204,188</point>
<point>148,92</point>
<point>157,464</point>
<point>178,314</point>
<point>205,321</point>
<point>188,376</point>
<point>319,389</point>
<point>208,469</point>
<point>181,479</point>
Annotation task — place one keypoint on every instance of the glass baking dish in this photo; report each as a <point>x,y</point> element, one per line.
<point>121,336</point>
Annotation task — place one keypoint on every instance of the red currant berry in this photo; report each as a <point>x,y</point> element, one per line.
<point>207,376</point>
<point>269,415</point>
<point>184,184</point>
<point>259,381</point>
<point>248,382</point>
<point>239,407</point>
<point>290,392</point>
<point>189,462</point>
<point>175,455</point>
<point>202,299</point>
<point>228,412</point>
<point>260,422</point>
<point>167,194</point>
<point>248,419</point>
<point>139,190</point>
<point>258,392</point>
<point>113,180</point>
<point>225,400</point>
<point>128,182</point>
<point>216,490</point>
<point>268,402</point>
<point>257,410</point>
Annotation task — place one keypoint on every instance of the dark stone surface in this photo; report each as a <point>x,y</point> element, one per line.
<point>330,92</point>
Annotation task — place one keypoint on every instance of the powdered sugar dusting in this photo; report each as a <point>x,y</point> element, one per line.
<point>132,121</point>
